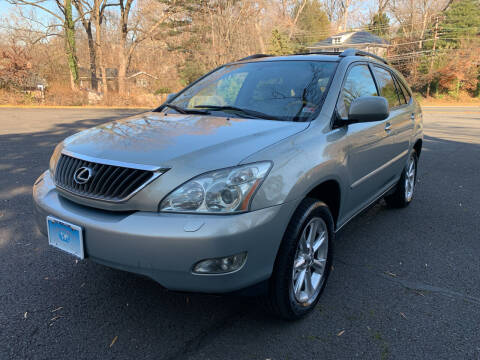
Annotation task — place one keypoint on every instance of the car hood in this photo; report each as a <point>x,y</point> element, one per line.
<point>198,142</point>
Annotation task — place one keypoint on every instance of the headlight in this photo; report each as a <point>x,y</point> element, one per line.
<point>55,157</point>
<point>221,191</point>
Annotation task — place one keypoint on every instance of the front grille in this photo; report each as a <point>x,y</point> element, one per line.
<point>107,182</point>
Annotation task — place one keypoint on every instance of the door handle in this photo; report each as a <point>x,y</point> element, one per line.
<point>388,127</point>
<point>412,117</point>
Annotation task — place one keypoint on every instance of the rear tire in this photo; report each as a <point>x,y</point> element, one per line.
<point>404,191</point>
<point>303,261</point>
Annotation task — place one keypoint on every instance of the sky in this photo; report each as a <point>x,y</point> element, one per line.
<point>5,7</point>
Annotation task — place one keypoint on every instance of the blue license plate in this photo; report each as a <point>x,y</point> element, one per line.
<point>65,236</point>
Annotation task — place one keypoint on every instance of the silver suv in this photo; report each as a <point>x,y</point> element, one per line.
<point>239,182</point>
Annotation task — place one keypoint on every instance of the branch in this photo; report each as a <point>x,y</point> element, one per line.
<point>60,6</point>
<point>82,14</point>
<point>35,4</point>
<point>104,6</point>
<point>147,34</point>
<point>296,18</point>
<point>44,37</point>
<point>32,20</point>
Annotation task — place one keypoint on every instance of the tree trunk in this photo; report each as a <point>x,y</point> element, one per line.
<point>292,27</point>
<point>70,46</point>
<point>93,57</point>
<point>122,70</point>
<point>432,57</point>
<point>422,33</point>
<point>123,53</point>
<point>123,60</point>
<point>87,25</point>
<point>98,45</point>
<point>260,39</point>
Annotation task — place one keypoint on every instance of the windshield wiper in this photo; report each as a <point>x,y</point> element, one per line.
<point>186,111</point>
<point>248,112</point>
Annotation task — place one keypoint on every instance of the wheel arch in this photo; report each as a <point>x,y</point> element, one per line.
<point>418,147</point>
<point>328,191</point>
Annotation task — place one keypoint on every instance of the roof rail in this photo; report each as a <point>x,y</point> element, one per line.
<point>356,52</point>
<point>254,56</point>
<point>320,53</point>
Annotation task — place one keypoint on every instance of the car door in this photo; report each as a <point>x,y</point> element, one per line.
<point>400,119</point>
<point>369,146</point>
<point>404,128</point>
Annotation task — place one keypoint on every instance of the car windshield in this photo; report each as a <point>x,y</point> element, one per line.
<point>277,90</point>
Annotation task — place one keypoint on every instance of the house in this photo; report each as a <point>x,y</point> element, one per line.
<point>362,40</point>
<point>141,79</point>
<point>33,82</point>
<point>85,78</point>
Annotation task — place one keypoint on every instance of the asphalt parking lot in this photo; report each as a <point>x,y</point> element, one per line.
<point>405,283</point>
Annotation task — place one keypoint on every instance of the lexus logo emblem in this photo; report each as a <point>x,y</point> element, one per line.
<point>82,175</point>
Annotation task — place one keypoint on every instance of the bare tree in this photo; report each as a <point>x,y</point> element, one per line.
<point>84,10</point>
<point>338,12</point>
<point>65,17</point>
<point>300,8</point>
<point>415,16</point>
<point>127,46</point>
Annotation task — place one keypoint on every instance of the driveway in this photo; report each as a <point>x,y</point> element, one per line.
<point>405,283</point>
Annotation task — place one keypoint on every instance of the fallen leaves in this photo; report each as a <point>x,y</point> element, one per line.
<point>113,341</point>
<point>341,333</point>
<point>25,315</point>
<point>55,318</point>
<point>403,315</point>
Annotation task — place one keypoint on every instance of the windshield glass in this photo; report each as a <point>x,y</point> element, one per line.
<point>277,90</point>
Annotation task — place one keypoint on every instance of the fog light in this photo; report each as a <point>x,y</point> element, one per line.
<point>220,265</point>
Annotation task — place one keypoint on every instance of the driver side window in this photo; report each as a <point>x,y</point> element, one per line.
<point>359,83</point>
<point>223,93</point>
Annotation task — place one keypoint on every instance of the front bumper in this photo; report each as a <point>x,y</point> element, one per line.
<point>165,246</point>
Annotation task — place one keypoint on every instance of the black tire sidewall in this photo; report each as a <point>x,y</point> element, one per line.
<point>281,282</point>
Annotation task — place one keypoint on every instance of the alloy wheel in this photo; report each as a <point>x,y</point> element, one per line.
<point>410,178</point>
<point>310,262</point>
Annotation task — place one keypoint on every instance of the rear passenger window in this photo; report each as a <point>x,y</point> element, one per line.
<point>386,86</point>
<point>401,96</point>
<point>406,93</point>
<point>359,83</point>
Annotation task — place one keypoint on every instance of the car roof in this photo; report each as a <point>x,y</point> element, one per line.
<point>348,54</point>
<point>314,57</point>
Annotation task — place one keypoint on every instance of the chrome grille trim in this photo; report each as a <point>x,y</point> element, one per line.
<point>113,162</point>
<point>112,181</point>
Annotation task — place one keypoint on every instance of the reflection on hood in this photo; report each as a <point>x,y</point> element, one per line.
<point>165,140</point>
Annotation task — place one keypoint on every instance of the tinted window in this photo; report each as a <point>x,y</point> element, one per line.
<point>401,96</point>
<point>386,86</point>
<point>359,82</point>
<point>405,92</point>
<point>285,90</point>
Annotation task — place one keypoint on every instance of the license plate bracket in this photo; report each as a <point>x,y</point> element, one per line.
<point>65,236</point>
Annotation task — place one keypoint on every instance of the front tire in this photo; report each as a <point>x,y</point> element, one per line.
<point>303,261</point>
<point>404,190</point>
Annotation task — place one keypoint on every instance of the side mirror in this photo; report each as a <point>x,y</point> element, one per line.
<point>368,108</point>
<point>171,96</point>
